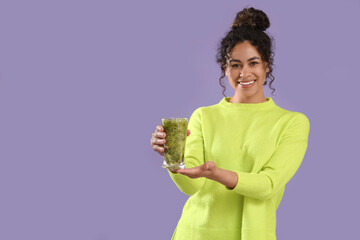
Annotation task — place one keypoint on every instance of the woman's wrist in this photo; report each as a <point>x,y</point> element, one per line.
<point>225,177</point>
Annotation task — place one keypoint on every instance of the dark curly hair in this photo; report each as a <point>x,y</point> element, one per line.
<point>249,25</point>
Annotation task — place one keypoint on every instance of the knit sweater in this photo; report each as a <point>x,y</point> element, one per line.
<point>264,144</point>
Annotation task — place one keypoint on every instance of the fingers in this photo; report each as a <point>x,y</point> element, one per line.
<point>159,128</point>
<point>159,150</point>
<point>190,172</point>
<point>157,147</point>
<point>159,135</point>
<point>158,139</point>
<point>160,131</point>
<point>205,170</point>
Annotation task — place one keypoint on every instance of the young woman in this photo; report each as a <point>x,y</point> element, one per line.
<point>241,152</point>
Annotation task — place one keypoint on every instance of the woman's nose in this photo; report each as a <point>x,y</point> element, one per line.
<point>244,72</point>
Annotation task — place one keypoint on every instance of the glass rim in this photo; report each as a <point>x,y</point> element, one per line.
<point>174,118</point>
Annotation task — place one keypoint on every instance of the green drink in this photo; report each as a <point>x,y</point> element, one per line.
<point>176,133</point>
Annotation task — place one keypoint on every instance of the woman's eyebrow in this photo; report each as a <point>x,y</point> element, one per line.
<point>253,58</point>
<point>250,59</point>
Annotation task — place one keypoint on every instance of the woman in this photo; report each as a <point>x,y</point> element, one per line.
<point>241,152</point>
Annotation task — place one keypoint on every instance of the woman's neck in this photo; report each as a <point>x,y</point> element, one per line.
<point>244,99</point>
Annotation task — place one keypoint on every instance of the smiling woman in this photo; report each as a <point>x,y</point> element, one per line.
<point>246,73</point>
<point>241,152</point>
<point>246,51</point>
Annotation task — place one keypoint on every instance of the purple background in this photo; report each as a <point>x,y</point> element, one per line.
<point>84,83</point>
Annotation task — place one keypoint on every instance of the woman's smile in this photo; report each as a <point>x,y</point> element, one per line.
<point>246,84</point>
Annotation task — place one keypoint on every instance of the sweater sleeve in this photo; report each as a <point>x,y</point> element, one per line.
<point>281,166</point>
<point>193,156</point>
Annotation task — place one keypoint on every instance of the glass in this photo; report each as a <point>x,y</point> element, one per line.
<point>175,139</point>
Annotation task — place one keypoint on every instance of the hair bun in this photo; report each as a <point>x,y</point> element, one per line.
<point>251,18</point>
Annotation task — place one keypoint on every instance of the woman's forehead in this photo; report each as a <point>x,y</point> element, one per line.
<point>244,51</point>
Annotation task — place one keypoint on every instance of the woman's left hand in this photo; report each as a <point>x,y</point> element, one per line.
<point>206,170</point>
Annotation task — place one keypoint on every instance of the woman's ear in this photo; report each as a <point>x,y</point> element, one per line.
<point>267,67</point>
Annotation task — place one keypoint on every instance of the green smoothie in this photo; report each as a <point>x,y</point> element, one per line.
<point>176,132</point>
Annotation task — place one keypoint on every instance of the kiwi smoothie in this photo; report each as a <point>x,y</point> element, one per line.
<point>176,133</point>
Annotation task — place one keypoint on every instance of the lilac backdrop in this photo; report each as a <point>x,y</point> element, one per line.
<point>84,83</point>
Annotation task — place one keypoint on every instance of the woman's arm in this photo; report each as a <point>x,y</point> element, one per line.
<point>225,177</point>
<point>211,171</point>
<point>193,156</point>
<point>275,173</point>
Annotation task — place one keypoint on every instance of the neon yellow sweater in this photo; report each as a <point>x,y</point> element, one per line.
<point>264,144</point>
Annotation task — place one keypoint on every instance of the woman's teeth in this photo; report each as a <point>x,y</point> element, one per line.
<point>246,83</point>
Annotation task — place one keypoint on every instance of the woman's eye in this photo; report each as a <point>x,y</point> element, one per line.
<point>253,63</point>
<point>236,65</point>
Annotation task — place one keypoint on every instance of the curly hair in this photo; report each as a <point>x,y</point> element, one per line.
<point>249,25</point>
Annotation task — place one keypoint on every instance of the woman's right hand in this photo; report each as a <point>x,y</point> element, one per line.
<point>158,139</point>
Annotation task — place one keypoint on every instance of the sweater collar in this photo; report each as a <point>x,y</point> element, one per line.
<point>269,104</point>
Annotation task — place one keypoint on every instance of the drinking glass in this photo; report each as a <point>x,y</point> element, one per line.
<point>175,139</point>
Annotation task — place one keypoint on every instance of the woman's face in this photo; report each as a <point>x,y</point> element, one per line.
<point>246,73</point>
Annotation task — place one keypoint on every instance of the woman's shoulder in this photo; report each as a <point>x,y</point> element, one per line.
<point>206,108</point>
<point>290,113</point>
<point>292,118</point>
